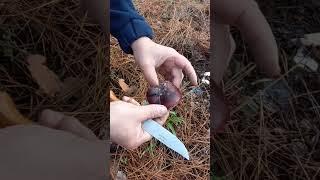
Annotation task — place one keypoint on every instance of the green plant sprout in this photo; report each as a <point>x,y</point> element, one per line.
<point>124,160</point>
<point>173,120</point>
<point>150,148</point>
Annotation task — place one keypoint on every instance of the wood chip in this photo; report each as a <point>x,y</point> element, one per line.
<point>124,86</point>
<point>9,115</point>
<point>47,80</point>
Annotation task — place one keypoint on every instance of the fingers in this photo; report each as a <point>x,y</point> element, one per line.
<point>50,118</point>
<point>57,120</point>
<point>146,136</point>
<point>150,74</point>
<point>223,52</point>
<point>130,100</point>
<point>162,120</point>
<point>151,111</point>
<point>260,39</point>
<point>177,77</point>
<point>187,68</point>
<point>74,126</point>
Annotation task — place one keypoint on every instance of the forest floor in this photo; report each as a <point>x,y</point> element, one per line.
<point>184,26</point>
<point>75,51</point>
<point>266,140</point>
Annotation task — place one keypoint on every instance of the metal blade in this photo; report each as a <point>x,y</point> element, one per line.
<point>165,137</point>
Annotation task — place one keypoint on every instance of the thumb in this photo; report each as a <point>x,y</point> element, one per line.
<point>152,111</point>
<point>150,74</point>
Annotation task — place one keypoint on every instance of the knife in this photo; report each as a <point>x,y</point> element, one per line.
<point>160,133</point>
<point>165,137</point>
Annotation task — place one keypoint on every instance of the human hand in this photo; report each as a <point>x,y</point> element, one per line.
<point>246,16</point>
<point>126,118</point>
<point>259,37</point>
<point>153,57</point>
<point>61,149</point>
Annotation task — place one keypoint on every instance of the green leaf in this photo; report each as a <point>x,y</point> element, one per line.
<point>150,148</point>
<point>124,160</point>
<point>173,120</point>
<point>173,113</point>
<point>170,127</point>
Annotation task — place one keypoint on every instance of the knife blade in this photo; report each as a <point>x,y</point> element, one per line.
<point>165,137</point>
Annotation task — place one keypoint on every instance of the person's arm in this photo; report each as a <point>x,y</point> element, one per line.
<point>135,37</point>
<point>127,25</point>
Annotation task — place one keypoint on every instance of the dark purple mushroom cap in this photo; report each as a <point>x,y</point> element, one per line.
<point>166,94</point>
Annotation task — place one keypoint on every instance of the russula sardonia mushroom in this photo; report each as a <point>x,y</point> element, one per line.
<point>166,94</point>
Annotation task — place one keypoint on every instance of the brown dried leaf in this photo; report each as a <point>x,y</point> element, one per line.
<point>47,80</point>
<point>131,91</point>
<point>9,115</point>
<point>124,86</point>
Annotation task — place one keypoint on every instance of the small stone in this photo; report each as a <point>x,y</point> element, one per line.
<point>121,176</point>
<point>311,39</point>
<point>205,81</point>
<point>305,61</point>
<point>206,74</point>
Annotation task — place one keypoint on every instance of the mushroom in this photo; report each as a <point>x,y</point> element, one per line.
<point>166,94</point>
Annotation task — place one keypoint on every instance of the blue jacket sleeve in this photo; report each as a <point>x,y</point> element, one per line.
<point>126,25</point>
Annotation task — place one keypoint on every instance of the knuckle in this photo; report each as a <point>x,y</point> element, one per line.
<point>172,50</point>
<point>132,146</point>
<point>156,111</point>
<point>153,113</point>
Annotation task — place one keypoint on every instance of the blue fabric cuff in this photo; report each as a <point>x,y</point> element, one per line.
<point>134,30</point>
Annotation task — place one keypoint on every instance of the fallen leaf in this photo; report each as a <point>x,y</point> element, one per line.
<point>9,115</point>
<point>124,86</point>
<point>113,96</point>
<point>47,80</point>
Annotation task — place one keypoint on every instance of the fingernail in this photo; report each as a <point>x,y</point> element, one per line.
<point>125,98</point>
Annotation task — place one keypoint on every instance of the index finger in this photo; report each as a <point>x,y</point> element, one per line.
<point>183,63</point>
